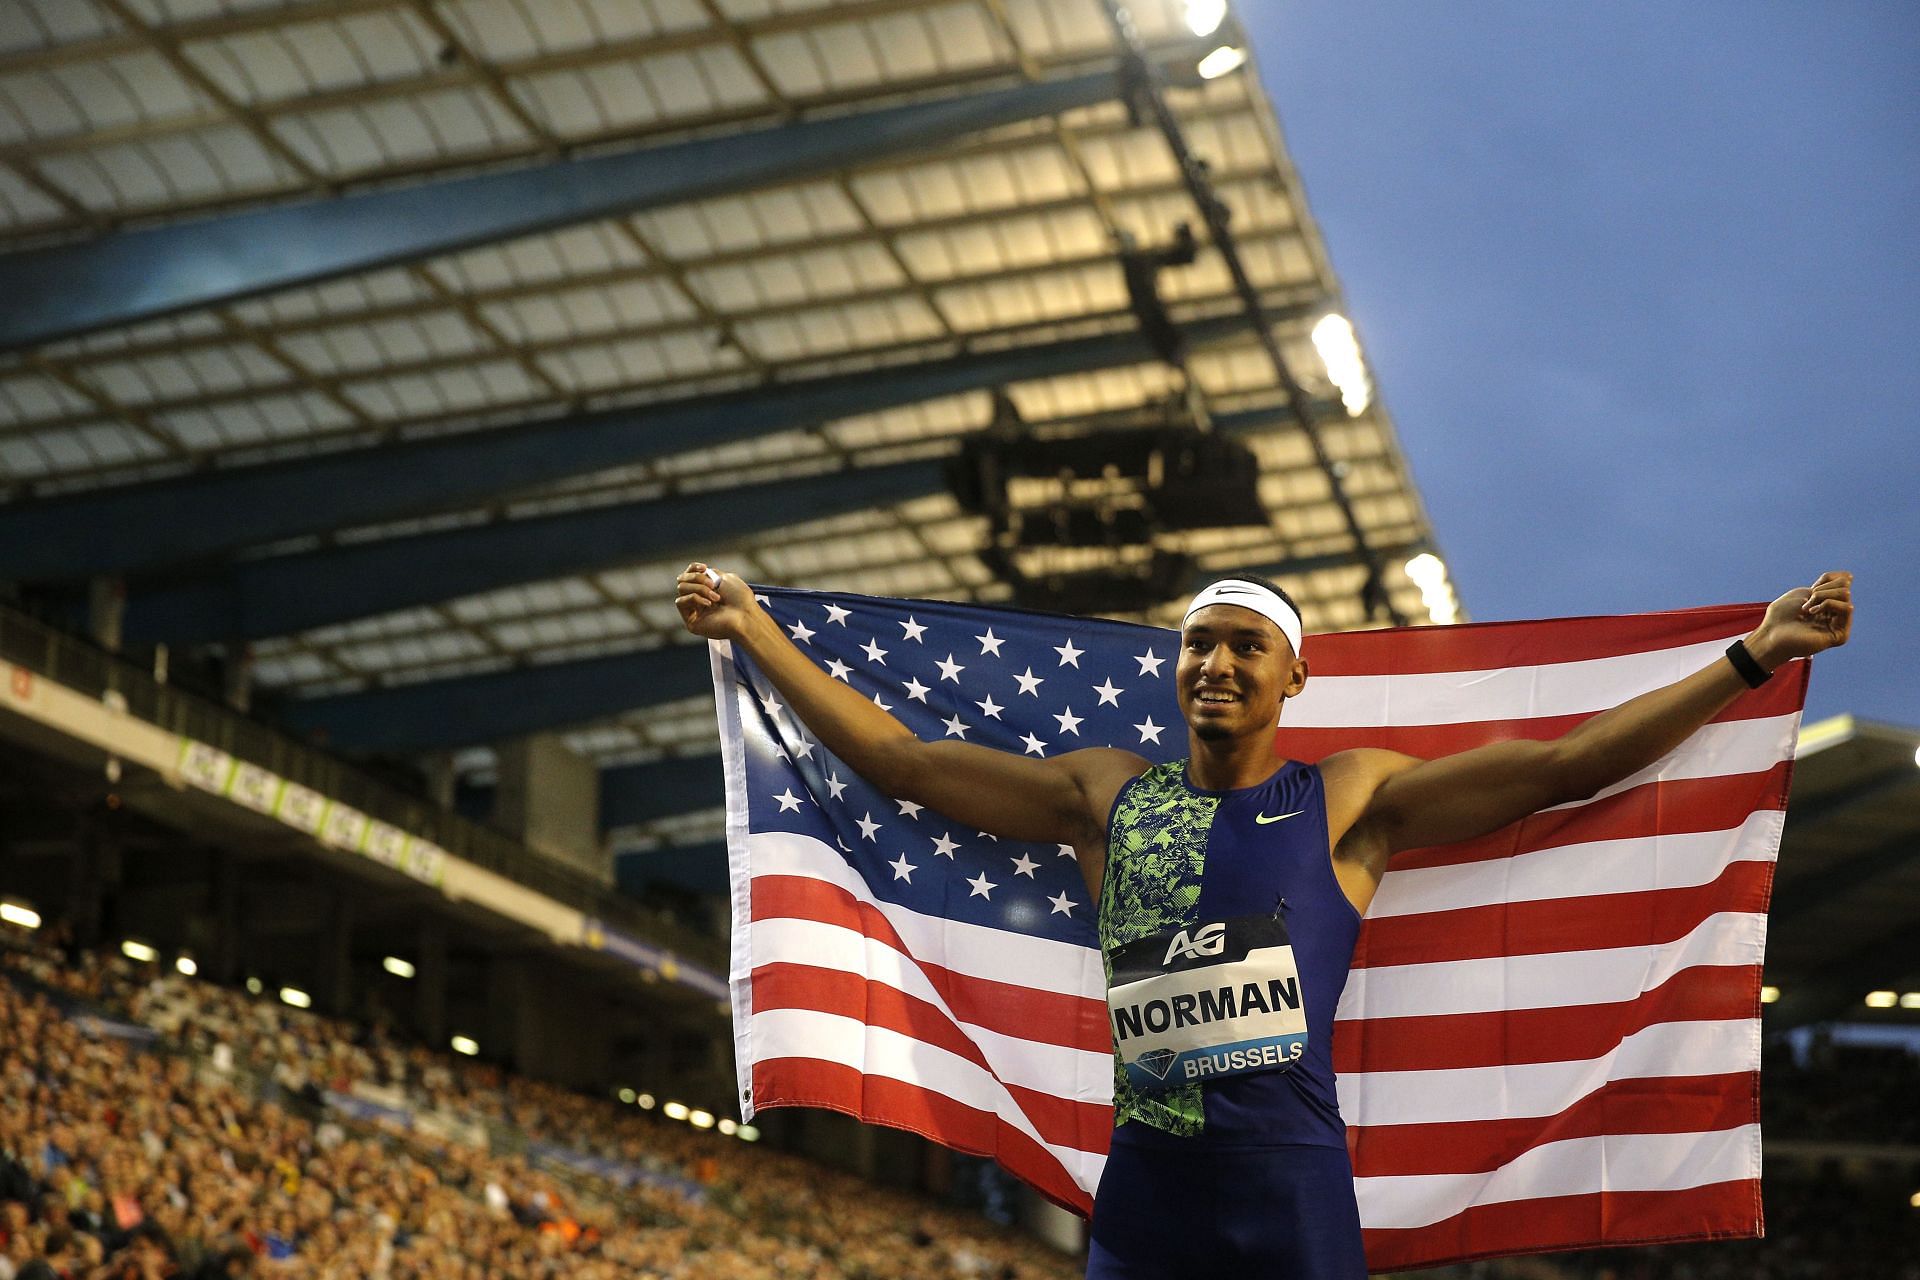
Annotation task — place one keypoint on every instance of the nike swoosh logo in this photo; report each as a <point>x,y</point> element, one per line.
<point>1263,819</point>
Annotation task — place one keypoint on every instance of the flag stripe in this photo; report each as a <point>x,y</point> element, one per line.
<point>1608,863</point>
<point>1487,646</point>
<point>1047,1017</point>
<point>1623,1162</point>
<point>1669,1104</point>
<point>1592,922</point>
<point>1704,993</point>
<point>1715,1211</point>
<point>1544,1088</point>
<point>1668,807</point>
<point>810,1082</point>
<point>1554,980</point>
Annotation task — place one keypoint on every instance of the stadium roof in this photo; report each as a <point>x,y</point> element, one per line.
<point>416,343</point>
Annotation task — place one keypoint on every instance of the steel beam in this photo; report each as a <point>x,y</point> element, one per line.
<point>138,528</point>
<point>129,276</point>
<point>470,710</point>
<point>285,594</point>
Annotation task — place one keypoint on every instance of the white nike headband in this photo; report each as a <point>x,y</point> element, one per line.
<point>1250,595</point>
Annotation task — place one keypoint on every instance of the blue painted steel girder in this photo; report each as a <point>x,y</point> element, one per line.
<point>285,594</point>
<point>128,276</point>
<point>468,710</point>
<point>134,528</point>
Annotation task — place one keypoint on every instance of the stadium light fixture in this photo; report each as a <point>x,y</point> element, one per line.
<point>675,1110</point>
<point>1769,995</point>
<point>644,1102</point>
<point>1340,352</point>
<point>625,1095</point>
<point>254,986</point>
<point>296,997</point>
<point>700,1119</point>
<point>138,951</point>
<point>1881,999</point>
<point>728,1127</point>
<point>396,966</point>
<point>1429,573</point>
<point>1914,1199</point>
<point>16,913</point>
<point>1916,757</point>
<point>1910,999</point>
<point>747,1133</point>
<point>1205,16</point>
<point>186,965</point>
<point>1227,57</point>
<point>465,1044</point>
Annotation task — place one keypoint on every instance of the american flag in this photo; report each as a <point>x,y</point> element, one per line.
<point>1551,1035</point>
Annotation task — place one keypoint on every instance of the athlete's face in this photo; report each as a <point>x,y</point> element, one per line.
<point>1235,669</point>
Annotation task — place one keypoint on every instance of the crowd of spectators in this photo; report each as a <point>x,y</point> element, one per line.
<point>208,1153</point>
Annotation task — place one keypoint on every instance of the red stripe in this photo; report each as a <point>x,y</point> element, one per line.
<point>1059,1120</point>
<point>1431,741</point>
<point>1575,1033</point>
<point>1487,646</point>
<point>1668,1104</point>
<point>1683,806</point>
<point>809,1082</point>
<point>1718,1211</point>
<point>1072,1022</point>
<point>1596,922</point>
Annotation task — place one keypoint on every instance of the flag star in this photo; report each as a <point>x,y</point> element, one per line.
<point>840,669</point>
<point>902,869</point>
<point>955,729</point>
<point>950,670</point>
<point>883,706</point>
<point>914,630</point>
<point>843,845</point>
<point>1062,905</point>
<point>916,690</point>
<point>1025,866</point>
<point>984,836</point>
<point>908,809</point>
<point>1066,851</point>
<point>867,827</point>
<point>836,614</point>
<point>1029,683</point>
<point>804,747</point>
<point>835,786</point>
<point>1109,695</point>
<point>789,802</point>
<point>782,753</point>
<point>945,845</point>
<point>1149,664</point>
<point>990,643</point>
<point>1069,722</point>
<point>874,652</point>
<point>772,705</point>
<point>1035,747</point>
<point>990,708</point>
<point>1069,656</point>
<point>982,887</point>
<point>763,600</point>
<point>1149,731</point>
<point>802,632</point>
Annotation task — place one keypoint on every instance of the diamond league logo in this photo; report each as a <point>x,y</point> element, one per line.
<point>1158,1061</point>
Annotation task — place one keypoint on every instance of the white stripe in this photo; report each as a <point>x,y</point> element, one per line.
<point>1040,964</point>
<point>727,690</point>
<point>1031,1064</point>
<point>1552,981</point>
<point>1636,865</point>
<point>1715,751</point>
<point>1502,693</point>
<point>1576,1166</point>
<point>1547,1088</point>
<point>874,1051</point>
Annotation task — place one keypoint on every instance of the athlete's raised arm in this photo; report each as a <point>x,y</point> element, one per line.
<point>1061,800</point>
<point>1385,802</point>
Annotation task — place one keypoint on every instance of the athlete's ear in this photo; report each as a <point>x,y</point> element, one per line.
<point>1296,679</point>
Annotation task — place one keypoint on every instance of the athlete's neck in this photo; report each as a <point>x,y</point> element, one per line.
<point>1227,764</point>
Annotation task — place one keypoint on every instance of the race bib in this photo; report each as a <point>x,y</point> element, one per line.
<point>1216,999</point>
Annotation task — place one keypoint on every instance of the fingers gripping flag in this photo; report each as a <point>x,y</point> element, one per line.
<point>1551,1035</point>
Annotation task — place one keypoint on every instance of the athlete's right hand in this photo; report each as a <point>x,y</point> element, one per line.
<point>713,611</point>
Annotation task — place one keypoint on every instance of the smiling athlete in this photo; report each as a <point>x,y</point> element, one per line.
<point>1231,886</point>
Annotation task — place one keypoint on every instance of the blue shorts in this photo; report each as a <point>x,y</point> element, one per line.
<point>1174,1208</point>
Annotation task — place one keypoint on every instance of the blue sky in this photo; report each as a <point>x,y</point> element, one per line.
<point>1640,285</point>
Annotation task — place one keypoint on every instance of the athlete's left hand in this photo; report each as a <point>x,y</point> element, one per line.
<point>1805,621</point>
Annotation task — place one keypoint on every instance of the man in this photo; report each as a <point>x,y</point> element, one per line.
<point>1230,888</point>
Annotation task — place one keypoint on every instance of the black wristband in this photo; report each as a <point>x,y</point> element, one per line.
<point>1752,672</point>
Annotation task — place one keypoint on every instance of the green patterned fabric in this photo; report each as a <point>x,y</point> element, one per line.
<point>1156,851</point>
